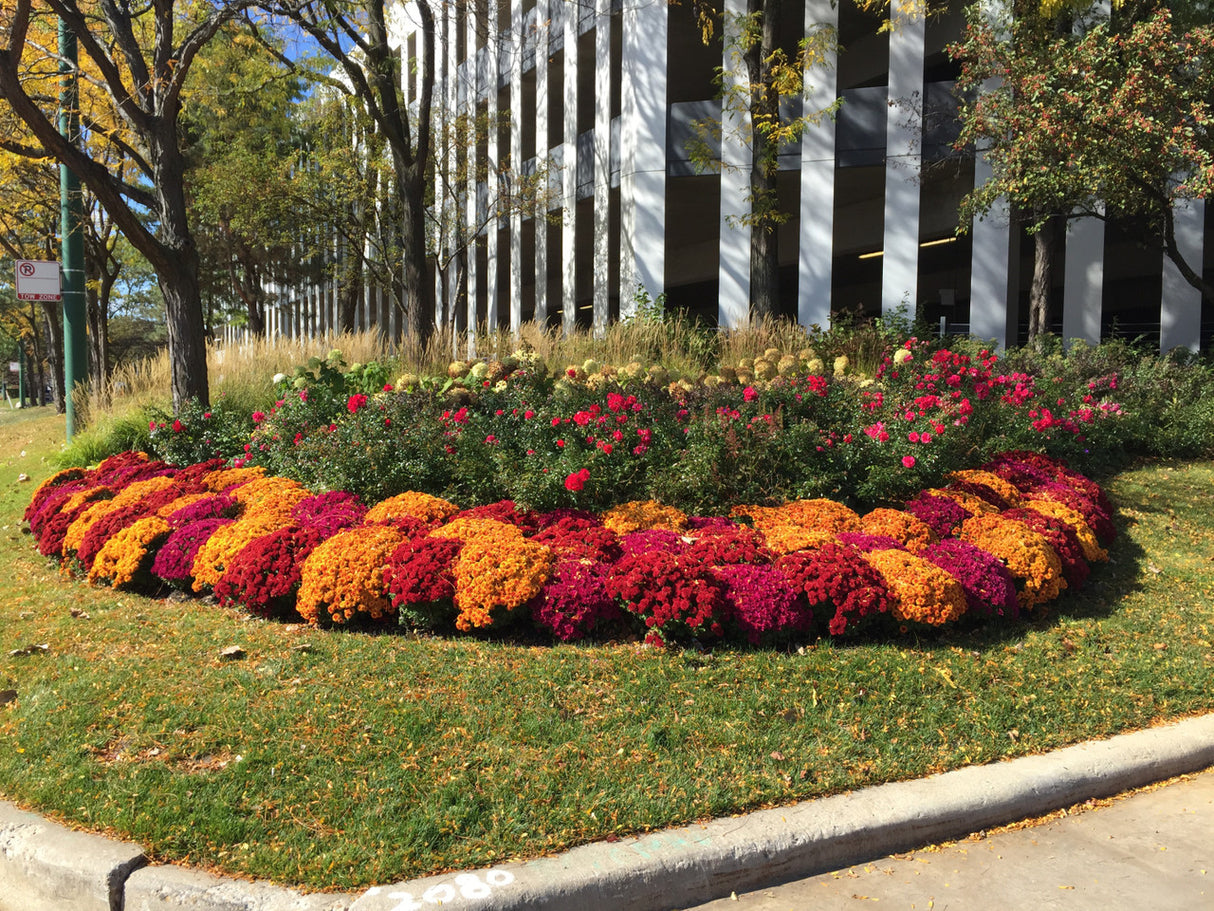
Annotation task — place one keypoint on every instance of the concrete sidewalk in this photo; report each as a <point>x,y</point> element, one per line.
<point>1152,850</point>
<point>45,866</point>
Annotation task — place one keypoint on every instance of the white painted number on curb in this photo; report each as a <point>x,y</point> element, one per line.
<point>469,886</point>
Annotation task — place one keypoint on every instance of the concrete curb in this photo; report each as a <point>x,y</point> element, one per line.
<point>46,866</point>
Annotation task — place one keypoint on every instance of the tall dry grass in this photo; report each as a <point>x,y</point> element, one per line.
<point>242,373</point>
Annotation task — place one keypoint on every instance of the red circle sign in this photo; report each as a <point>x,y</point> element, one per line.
<point>27,269</point>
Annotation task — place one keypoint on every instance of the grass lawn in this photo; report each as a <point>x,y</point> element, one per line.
<point>337,759</point>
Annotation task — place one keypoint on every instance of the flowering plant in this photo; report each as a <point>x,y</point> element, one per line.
<point>575,603</point>
<point>763,602</point>
<point>838,584</point>
<point>988,586</point>
<point>125,558</point>
<point>174,562</point>
<point>343,577</point>
<point>265,574</point>
<point>641,515</point>
<point>923,592</point>
<point>494,577</point>
<point>904,527</point>
<point>420,579</point>
<point>674,597</point>
<point>1027,555</point>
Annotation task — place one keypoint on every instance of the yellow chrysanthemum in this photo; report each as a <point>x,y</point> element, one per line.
<point>124,552</point>
<point>643,515</point>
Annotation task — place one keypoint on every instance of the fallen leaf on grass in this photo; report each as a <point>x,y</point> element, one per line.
<point>30,650</point>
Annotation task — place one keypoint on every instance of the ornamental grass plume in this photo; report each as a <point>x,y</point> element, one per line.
<point>674,598</point>
<point>989,588</point>
<point>410,503</point>
<point>343,578</point>
<point>126,556</point>
<point>264,576</point>
<point>1026,554</point>
<point>763,603</point>
<point>494,576</point>
<point>923,592</point>
<point>174,561</point>
<point>642,515</point>
<point>574,603</point>
<point>838,584</point>
<point>904,527</point>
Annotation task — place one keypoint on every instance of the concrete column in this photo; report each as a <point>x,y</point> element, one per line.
<point>992,315</point>
<point>1180,309</point>
<point>543,161</point>
<point>602,163</point>
<point>817,218</point>
<point>1084,280</point>
<point>643,152</point>
<point>471,97</point>
<point>903,157</point>
<point>514,48</point>
<point>734,306</point>
<point>573,12</point>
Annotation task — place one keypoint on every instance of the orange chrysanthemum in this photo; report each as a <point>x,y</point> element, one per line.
<point>410,503</point>
<point>908,530</point>
<point>923,592</point>
<point>344,576</point>
<point>642,515</point>
<point>1027,555</point>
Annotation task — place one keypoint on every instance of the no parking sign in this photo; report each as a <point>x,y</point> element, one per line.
<point>37,280</point>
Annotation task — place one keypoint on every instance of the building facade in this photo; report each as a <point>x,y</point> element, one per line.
<point>597,103</point>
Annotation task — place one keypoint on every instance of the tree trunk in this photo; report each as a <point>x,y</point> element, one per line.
<point>418,297</point>
<point>1045,260</point>
<point>187,334</point>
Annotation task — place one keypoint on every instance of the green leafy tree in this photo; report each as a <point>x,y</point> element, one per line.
<point>1084,114</point>
<point>356,37</point>
<point>246,151</point>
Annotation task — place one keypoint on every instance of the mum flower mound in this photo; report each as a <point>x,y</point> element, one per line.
<point>995,544</point>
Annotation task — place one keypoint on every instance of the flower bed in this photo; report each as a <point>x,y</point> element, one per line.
<point>994,544</point>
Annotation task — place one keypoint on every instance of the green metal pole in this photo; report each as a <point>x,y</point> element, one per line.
<point>75,348</point>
